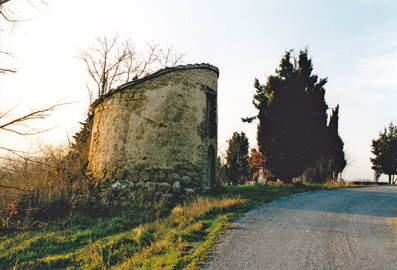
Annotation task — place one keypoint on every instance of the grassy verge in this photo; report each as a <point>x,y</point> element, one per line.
<point>180,240</point>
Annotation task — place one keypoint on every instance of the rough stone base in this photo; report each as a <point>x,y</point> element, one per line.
<point>146,191</point>
<point>143,183</point>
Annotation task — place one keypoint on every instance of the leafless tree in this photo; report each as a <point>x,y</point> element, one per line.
<point>111,62</point>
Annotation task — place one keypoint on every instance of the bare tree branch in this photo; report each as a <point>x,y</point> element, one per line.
<point>11,187</point>
<point>23,158</point>
<point>9,123</point>
<point>3,2</point>
<point>5,70</point>
<point>14,152</point>
<point>6,18</point>
<point>110,62</point>
<point>13,16</point>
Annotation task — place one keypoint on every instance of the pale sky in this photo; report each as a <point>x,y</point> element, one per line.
<point>353,43</point>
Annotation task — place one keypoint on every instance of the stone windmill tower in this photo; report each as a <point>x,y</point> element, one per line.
<point>158,133</point>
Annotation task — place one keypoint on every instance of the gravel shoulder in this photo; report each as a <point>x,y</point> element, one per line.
<point>347,228</point>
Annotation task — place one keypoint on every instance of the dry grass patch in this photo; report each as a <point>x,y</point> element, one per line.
<point>201,205</point>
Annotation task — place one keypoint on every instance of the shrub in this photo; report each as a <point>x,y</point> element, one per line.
<point>38,189</point>
<point>320,171</point>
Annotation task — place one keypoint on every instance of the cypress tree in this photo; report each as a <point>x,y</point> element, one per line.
<point>237,159</point>
<point>385,151</point>
<point>292,117</point>
<point>335,143</point>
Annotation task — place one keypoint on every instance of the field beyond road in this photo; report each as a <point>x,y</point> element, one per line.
<point>329,229</point>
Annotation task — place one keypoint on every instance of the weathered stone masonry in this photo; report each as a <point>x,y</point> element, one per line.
<point>157,134</point>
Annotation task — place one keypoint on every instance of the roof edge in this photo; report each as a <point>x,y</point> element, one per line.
<point>154,75</point>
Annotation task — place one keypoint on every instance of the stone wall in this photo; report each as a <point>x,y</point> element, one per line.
<point>152,135</point>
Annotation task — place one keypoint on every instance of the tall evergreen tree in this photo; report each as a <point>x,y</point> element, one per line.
<point>335,144</point>
<point>237,159</point>
<point>331,160</point>
<point>385,151</point>
<point>292,117</point>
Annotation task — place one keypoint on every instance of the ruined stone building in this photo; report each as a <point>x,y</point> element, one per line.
<point>157,133</point>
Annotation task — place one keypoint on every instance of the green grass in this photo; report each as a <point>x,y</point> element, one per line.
<point>182,239</point>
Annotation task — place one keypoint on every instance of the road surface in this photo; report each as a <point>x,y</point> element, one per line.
<point>349,228</point>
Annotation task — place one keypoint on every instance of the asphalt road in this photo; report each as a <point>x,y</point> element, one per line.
<point>333,229</point>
